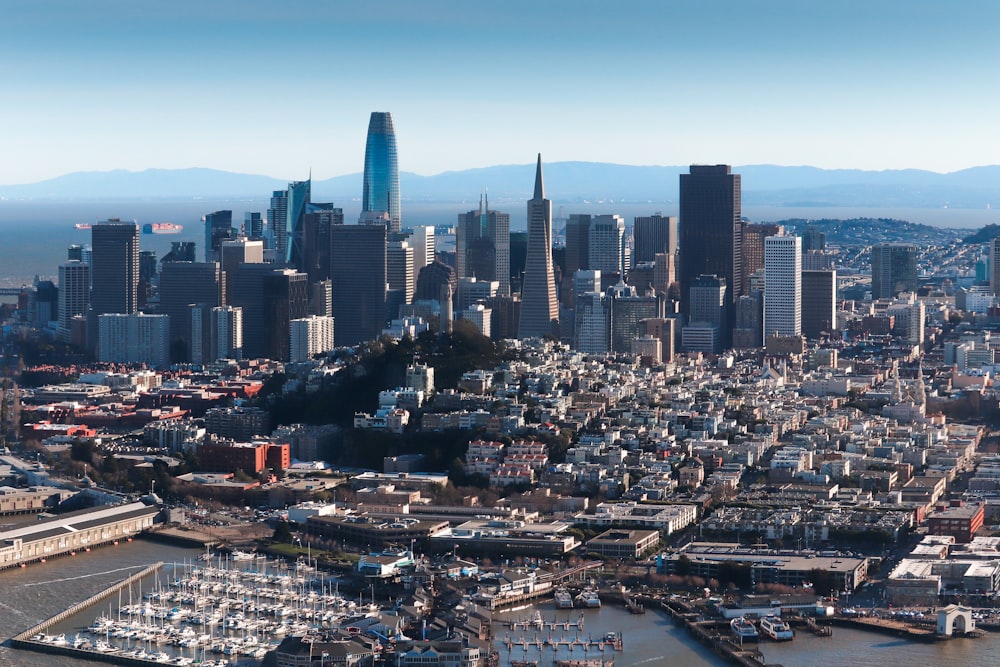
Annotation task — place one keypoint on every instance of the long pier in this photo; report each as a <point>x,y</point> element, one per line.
<point>690,619</point>
<point>24,639</point>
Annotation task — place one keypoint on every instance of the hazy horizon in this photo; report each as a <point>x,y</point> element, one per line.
<point>36,234</point>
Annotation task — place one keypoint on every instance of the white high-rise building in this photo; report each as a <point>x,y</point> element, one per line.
<point>606,247</point>
<point>227,332</point>
<point>136,338</point>
<point>423,243</point>
<point>74,294</point>
<point>783,285</point>
<point>310,336</point>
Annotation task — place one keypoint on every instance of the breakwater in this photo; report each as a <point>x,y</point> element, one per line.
<point>24,640</point>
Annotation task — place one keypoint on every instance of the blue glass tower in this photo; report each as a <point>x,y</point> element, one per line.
<point>381,185</point>
<point>288,208</point>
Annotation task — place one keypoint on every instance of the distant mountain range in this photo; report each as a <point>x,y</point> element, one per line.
<point>566,182</point>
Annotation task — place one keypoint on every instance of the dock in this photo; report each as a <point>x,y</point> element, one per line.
<point>25,642</point>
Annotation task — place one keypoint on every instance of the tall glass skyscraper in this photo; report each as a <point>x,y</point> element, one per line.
<point>288,208</point>
<point>380,197</point>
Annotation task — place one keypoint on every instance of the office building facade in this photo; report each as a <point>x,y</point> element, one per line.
<point>819,303</point>
<point>894,269</point>
<point>482,246</point>
<point>711,230</point>
<point>782,286</point>
<point>359,274</point>
<point>114,267</point>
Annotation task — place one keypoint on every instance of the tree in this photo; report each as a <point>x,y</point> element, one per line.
<point>282,533</point>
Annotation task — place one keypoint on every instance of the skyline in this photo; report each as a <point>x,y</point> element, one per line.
<point>263,88</point>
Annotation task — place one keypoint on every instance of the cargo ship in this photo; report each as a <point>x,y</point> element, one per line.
<point>162,228</point>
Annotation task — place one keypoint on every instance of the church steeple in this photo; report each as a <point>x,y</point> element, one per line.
<point>539,184</point>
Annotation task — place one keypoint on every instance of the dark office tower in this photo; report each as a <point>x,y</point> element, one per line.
<point>270,298</point>
<point>894,269</point>
<point>78,252</point>
<point>183,284</point>
<point>285,295</point>
<point>288,208</point>
<point>482,245</point>
<point>710,230</point>
<point>246,287</point>
<point>147,265</point>
<point>813,239</point>
<point>653,234</point>
<point>708,301</point>
<point>539,309</point>
<point>748,327</point>
<point>432,278</point>
<point>577,243</point>
<point>316,226</point>
<point>147,272</point>
<point>218,227</point>
<point>358,270</point>
<point>628,310</point>
<point>819,302</point>
<point>753,249</point>
<point>518,256</point>
<point>380,190</point>
<point>180,251</point>
<point>253,225</point>
<point>115,267</point>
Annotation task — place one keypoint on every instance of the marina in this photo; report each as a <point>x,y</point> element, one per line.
<point>205,613</point>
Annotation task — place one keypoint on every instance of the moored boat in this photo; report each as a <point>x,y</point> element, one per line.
<point>774,628</point>
<point>744,629</point>
<point>563,599</point>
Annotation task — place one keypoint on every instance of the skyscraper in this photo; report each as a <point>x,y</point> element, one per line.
<point>753,249</point>
<point>181,285</point>
<point>783,286</point>
<point>819,302</point>
<point>894,269</point>
<point>288,208</point>
<point>358,270</point>
<point>74,294</point>
<point>539,309</point>
<point>711,230</point>
<point>218,227</point>
<point>654,234</point>
<point>115,267</point>
<point>318,221</point>
<point>482,246</point>
<point>380,194</point>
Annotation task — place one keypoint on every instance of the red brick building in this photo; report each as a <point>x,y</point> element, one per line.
<point>958,519</point>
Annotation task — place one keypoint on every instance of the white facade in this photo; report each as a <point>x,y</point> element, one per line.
<point>227,332</point>
<point>422,241</point>
<point>74,293</point>
<point>479,315</point>
<point>310,336</point>
<point>591,323</point>
<point>138,338</point>
<point>607,243</point>
<point>783,285</point>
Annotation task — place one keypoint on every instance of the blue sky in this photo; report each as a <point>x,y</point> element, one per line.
<point>277,88</point>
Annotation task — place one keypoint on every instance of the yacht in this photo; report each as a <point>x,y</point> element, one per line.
<point>563,599</point>
<point>774,628</point>
<point>588,598</point>
<point>744,629</point>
